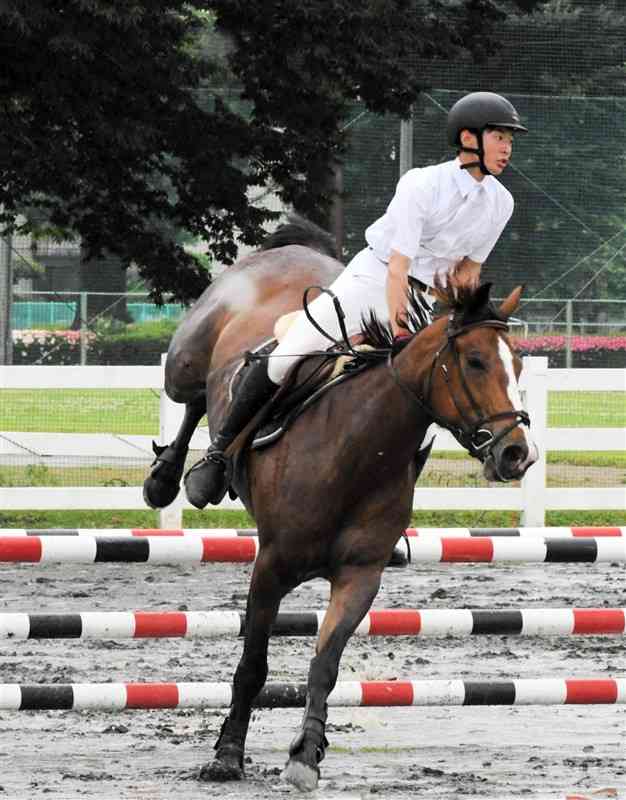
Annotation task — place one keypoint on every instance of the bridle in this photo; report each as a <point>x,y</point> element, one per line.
<point>472,434</point>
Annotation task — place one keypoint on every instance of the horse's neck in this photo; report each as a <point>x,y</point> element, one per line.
<point>414,363</point>
<point>414,372</point>
<point>397,423</point>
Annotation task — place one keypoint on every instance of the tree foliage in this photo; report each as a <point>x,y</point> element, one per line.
<point>303,64</point>
<point>111,126</point>
<point>102,135</point>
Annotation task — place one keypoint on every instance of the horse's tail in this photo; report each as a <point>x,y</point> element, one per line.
<point>298,230</point>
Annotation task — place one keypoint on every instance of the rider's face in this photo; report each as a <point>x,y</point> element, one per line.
<point>498,146</point>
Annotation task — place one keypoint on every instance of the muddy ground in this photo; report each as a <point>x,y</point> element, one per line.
<point>438,753</point>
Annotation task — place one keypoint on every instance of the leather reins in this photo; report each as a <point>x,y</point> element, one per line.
<point>472,434</point>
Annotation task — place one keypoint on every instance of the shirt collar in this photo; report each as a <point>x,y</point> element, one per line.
<point>466,184</point>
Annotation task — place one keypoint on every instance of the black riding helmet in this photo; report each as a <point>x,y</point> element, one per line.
<point>476,112</point>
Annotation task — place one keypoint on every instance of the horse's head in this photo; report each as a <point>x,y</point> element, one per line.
<point>468,379</point>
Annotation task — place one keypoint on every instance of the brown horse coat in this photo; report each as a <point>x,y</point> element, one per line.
<point>332,497</point>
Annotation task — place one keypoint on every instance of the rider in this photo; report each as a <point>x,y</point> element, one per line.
<point>445,216</point>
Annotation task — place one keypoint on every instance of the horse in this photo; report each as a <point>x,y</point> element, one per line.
<point>333,495</point>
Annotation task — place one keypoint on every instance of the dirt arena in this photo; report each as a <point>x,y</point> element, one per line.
<point>401,753</point>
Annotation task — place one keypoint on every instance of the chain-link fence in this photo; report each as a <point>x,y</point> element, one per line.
<point>566,242</point>
<point>567,237</point>
<point>56,328</point>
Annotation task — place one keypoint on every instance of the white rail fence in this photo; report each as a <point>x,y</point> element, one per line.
<point>533,498</point>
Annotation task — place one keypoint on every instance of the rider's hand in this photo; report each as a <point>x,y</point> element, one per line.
<point>401,338</point>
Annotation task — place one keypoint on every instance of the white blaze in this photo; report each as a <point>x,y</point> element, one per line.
<point>512,390</point>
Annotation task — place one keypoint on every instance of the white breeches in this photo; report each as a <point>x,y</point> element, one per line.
<point>361,287</point>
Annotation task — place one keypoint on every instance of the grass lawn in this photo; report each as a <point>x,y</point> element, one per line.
<point>574,458</point>
<point>136,411</point>
<point>240,519</point>
<point>587,409</point>
<point>92,475</point>
<point>130,411</point>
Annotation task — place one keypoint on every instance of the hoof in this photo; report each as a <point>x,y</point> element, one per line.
<point>221,770</point>
<point>205,483</point>
<point>301,775</point>
<point>196,494</point>
<point>159,494</point>
<point>163,483</point>
<point>399,557</point>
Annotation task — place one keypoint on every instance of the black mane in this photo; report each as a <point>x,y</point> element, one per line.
<point>379,334</point>
<point>468,303</point>
<point>298,230</point>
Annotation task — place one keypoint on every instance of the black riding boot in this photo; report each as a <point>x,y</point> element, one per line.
<point>209,479</point>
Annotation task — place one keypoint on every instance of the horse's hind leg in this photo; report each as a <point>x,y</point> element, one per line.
<point>163,483</point>
<point>264,596</point>
<point>353,590</point>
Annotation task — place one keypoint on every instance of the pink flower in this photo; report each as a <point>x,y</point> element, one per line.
<point>579,344</point>
<point>49,337</point>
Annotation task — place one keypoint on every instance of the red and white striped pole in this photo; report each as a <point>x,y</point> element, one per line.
<point>125,696</point>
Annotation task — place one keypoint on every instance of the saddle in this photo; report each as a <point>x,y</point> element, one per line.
<point>304,385</point>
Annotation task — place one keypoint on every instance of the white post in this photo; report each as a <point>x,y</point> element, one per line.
<point>569,319</point>
<point>406,145</point>
<point>6,298</point>
<point>170,418</point>
<point>536,403</point>
<point>84,330</point>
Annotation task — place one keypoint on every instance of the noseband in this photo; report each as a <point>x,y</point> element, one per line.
<point>473,434</point>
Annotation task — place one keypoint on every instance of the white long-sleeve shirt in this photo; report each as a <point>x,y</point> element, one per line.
<point>439,215</point>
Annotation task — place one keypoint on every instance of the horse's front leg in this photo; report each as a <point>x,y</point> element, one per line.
<point>353,590</point>
<point>264,596</point>
<point>163,483</point>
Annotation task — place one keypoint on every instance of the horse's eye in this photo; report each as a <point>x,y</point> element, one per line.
<point>476,362</point>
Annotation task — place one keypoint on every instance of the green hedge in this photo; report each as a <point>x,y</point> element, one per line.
<point>143,343</point>
<point>138,344</point>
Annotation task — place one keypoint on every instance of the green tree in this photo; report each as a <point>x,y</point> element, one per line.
<point>111,126</point>
<point>93,98</point>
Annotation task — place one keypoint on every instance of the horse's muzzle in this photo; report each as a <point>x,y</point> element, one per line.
<point>511,457</point>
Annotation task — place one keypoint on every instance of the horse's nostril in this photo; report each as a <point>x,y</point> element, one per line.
<point>513,454</point>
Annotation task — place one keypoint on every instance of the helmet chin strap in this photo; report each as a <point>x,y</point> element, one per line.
<point>479,151</point>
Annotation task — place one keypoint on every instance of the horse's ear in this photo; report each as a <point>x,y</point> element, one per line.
<point>440,290</point>
<point>480,298</point>
<point>509,306</point>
